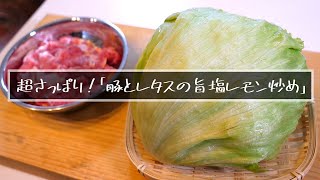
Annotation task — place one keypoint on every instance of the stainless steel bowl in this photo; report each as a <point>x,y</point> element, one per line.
<point>92,29</point>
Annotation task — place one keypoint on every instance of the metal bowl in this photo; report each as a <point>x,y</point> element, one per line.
<point>101,33</point>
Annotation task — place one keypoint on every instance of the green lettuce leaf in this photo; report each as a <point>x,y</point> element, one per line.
<point>218,133</point>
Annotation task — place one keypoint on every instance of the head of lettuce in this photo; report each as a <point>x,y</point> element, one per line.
<point>213,133</point>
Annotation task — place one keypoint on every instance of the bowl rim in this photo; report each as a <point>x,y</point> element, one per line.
<point>72,105</point>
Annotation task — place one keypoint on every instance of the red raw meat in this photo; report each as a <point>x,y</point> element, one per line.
<point>69,53</point>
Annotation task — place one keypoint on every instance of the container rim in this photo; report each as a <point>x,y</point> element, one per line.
<point>72,105</point>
